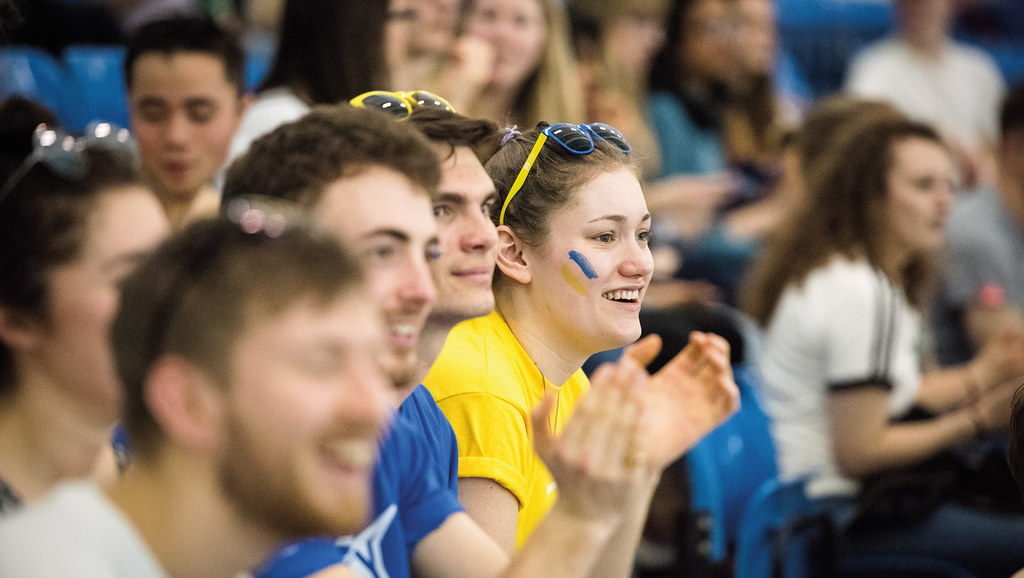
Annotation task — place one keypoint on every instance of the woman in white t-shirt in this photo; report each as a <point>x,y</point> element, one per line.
<point>840,292</point>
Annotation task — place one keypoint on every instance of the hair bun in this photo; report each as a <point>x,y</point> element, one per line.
<point>511,133</point>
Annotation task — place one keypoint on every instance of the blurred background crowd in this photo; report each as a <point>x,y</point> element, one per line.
<point>711,92</point>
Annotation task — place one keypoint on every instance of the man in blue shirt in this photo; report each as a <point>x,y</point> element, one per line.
<point>372,186</point>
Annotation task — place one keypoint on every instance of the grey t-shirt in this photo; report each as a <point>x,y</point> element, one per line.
<point>76,531</point>
<point>984,248</point>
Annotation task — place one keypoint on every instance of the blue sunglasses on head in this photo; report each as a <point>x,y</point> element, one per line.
<point>575,138</point>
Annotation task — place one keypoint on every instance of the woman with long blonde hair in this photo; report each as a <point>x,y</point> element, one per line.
<point>534,74</point>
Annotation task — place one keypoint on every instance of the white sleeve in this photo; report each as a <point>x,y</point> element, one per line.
<point>858,313</point>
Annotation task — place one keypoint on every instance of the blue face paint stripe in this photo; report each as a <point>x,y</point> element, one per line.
<point>584,264</point>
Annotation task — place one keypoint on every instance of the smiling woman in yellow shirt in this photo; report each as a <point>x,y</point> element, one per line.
<point>573,265</point>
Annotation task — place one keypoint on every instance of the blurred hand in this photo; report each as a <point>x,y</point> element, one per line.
<point>1001,359</point>
<point>993,406</point>
<point>690,396</point>
<point>466,71</point>
<point>595,461</point>
<point>688,203</point>
<point>975,162</point>
<point>615,108</point>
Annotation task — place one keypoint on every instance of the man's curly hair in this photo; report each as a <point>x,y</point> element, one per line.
<point>299,160</point>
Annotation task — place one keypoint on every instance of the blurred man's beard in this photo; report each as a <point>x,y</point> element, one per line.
<point>470,307</point>
<point>273,496</point>
<point>402,370</point>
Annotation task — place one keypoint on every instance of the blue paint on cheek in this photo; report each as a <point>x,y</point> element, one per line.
<point>584,264</point>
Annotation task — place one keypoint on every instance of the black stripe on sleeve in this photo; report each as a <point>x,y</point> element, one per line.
<point>852,385</point>
<point>884,319</point>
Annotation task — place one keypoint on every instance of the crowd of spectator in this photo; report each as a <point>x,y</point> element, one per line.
<point>376,311</point>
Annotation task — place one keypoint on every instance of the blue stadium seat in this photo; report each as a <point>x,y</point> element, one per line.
<point>98,71</point>
<point>728,466</point>
<point>791,81</point>
<point>35,74</point>
<point>833,13</point>
<point>783,534</point>
<point>257,64</point>
<point>823,35</point>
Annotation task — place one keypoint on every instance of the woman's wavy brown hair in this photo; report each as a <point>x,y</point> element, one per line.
<point>843,213</point>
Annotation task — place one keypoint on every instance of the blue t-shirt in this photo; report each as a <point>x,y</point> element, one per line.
<point>422,411</point>
<point>685,147</point>
<point>410,502</point>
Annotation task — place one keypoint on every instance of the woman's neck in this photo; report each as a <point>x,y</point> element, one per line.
<point>556,359</point>
<point>927,42</point>
<point>46,439</point>
<point>892,262</point>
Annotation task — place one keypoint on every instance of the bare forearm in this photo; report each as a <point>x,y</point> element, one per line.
<point>562,544</point>
<point>618,555</point>
<point>907,444</point>
<point>944,389</point>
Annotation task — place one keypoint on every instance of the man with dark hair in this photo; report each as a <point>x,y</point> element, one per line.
<point>982,290</point>
<point>464,267</point>
<point>185,79</point>
<point>254,402</point>
<point>462,207</point>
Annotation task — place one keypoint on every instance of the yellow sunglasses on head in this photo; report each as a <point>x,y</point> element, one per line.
<point>400,104</point>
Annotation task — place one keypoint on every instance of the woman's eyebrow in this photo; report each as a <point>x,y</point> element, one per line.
<point>617,218</point>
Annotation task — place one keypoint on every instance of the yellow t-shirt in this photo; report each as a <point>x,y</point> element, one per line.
<point>487,386</point>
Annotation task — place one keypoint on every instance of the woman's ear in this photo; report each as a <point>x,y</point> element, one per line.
<point>185,402</point>
<point>511,255</point>
<point>19,330</point>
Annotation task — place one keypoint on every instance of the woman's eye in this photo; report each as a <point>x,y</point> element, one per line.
<point>605,237</point>
<point>924,183</point>
<point>644,236</point>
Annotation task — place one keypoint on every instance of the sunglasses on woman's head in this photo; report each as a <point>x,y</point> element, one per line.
<point>64,154</point>
<point>575,138</point>
<point>400,104</point>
